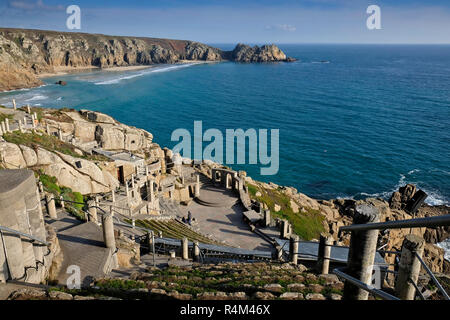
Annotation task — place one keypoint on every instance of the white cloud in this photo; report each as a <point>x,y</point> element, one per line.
<point>282,27</point>
<point>32,5</point>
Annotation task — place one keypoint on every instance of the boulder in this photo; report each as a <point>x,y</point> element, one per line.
<point>12,156</point>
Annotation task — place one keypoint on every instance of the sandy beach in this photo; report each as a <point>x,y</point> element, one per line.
<point>60,71</point>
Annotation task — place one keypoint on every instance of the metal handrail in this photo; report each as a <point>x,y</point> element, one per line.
<point>362,285</point>
<point>410,223</point>
<point>6,229</point>
<point>430,273</point>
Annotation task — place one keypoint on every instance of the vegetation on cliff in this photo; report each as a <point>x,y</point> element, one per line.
<point>308,224</point>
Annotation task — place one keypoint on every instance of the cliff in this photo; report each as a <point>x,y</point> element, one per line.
<point>25,54</point>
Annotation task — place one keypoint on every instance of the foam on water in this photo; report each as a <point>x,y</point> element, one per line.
<point>143,73</point>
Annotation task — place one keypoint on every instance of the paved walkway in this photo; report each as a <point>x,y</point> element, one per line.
<point>82,245</point>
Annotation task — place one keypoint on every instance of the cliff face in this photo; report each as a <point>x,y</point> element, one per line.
<point>266,53</point>
<point>24,54</point>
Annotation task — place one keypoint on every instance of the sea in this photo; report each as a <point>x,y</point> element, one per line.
<point>354,121</point>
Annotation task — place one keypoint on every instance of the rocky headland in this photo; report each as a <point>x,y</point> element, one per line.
<point>26,54</point>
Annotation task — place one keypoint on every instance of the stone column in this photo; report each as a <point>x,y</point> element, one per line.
<point>61,199</point>
<point>108,231</point>
<point>284,229</point>
<point>24,121</point>
<point>146,172</point>
<point>113,196</point>
<point>47,128</point>
<point>279,253</point>
<point>267,218</point>
<point>149,241</point>
<point>197,186</point>
<point>60,136</point>
<point>4,127</point>
<point>14,104</point>
<point>51,208</point>
<point>132,181</point>
<point>185,248</point>
<point>21,126</point>
<point>196,252</point>
<point>7,125</point>
<point>133,223</point>
<point>92,211</point>
<point>127,191</point>
<point>149,189</point>
<point>361,256</point>
<point>36,117</point>
<point>293,248</point>
<point>1,130</point>
<point>41,187</point>
<point>28,109</point>
<point>324,254</point>
<point>409,267</point>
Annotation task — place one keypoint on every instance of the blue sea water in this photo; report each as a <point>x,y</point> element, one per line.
<point>372,118</point>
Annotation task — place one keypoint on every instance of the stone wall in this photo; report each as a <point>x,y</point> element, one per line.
<point>20,210</point>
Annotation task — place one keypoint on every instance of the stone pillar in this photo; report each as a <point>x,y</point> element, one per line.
<point>1,130</point>
<point>149,241</point>
<point>61,199</point>
<point>197,186</point>
<point>127,191</point>
<point>267,218</point>
<point>113,196</point>
<point>409,267</point>
<point>92,211</point>
<point>133,223</point>
<point>324,254</point>
<point>36,117</point>
<point>293,248</point>
<point>279,253</point>
<point>108,231</point>
<point>60,136</point>
<point>160,234</point>
<point>28,109</point>
<point>196,252</point>
<point>24,121</point>
<point>149,189</point>
<point>7,125</point>
<point>146,172</point>
<point>132,181</point>
<point>185,248</point>
<point>21,126</point>
<point>51,208</point>
<point>47,128</point>
<point>361,256</point>
<point>284,232</point>
<point>4,127</point>
<point>14,104</point>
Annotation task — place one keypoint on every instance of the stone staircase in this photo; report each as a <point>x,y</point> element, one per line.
<point>82,245</point>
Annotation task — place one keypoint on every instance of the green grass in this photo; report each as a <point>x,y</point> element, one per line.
<point>50,184</point>
<point>48,142</point>
<point>3,117</point>
<point>308,225</point>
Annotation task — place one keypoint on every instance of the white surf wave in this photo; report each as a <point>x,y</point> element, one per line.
<point>446,246</point>
<point>434,197</point>
<point>143,73</point>
<point>37,98</point>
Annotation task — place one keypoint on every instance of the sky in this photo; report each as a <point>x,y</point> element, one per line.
<point>249,21</point>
